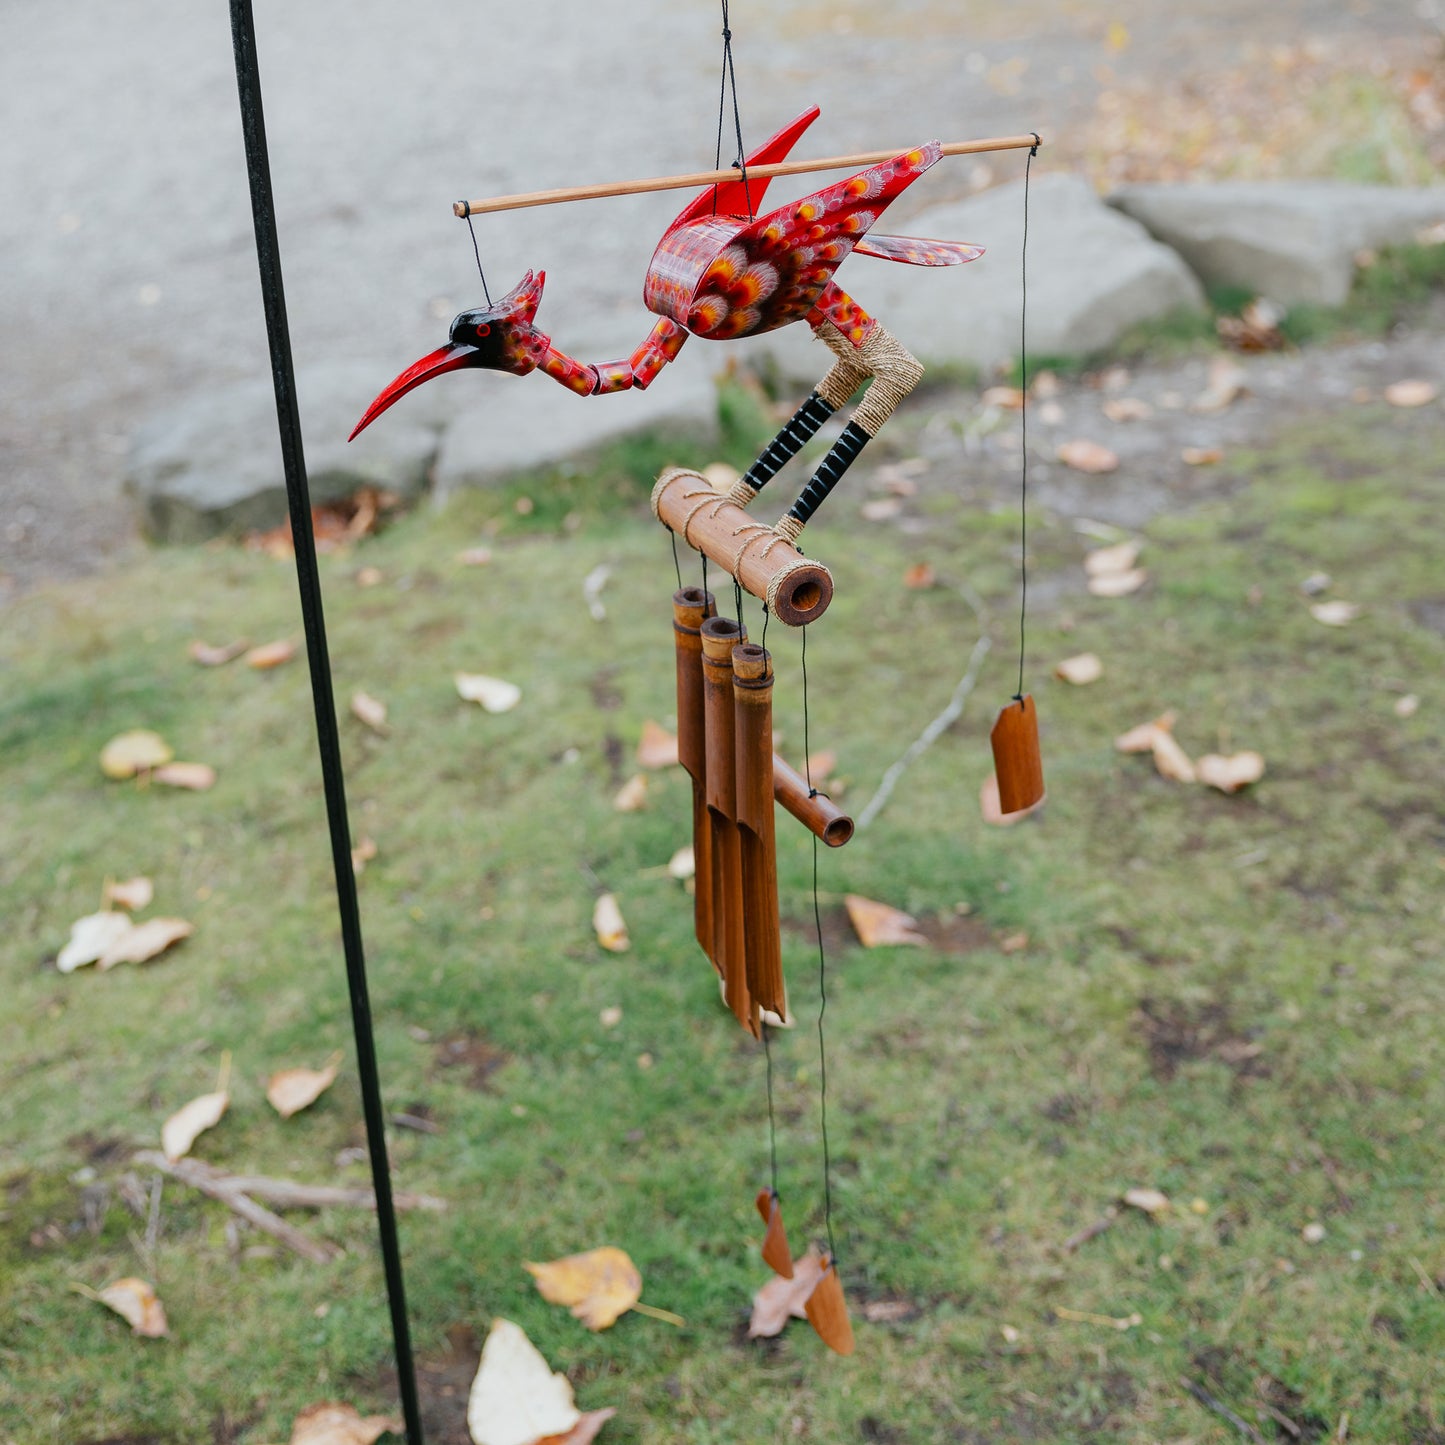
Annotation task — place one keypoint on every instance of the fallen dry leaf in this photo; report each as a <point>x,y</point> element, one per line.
<point>880,509</point>
<point>492,693</point>
<point>136,1302</point>
<point>1118,584</point>
<point>1226,385</point>
<point>144,941</point>
<point>290,1090</point>
<point>197,777</point>
<point>608,925</point>
<point>475,557</point>
<point>1335,614</point>
<point>1013,943</point>
<point>610,1017</point>
<point>1080,670</point>
<point>369,577</point>
<point>1201,456</point>
<point>362,852</point>
<point>599,1285</point>
<point>1313,1232</point>
<point>131,893</point>
<point>190,1121</point>
<point>208,656</point>
<point>919,576</point>
<point>683,864</point>
<point>631,797</point>
<point>888,1311</point>
<point>91,938</point>
<point>1151,1201</point>
<point>331,1424</point>
<point>134,752</point>
<point>1141,739</point>
<point>780,1300</point>
<point>819,766</point>
<point>1087,456</point>
<point>1127,408</point>
<point>879,926</point>
<point>1170,759</point>
<point>1229,774</point>
<point>515,1398</point>
<point>656,748</point>
<point>1411,393</point>
<point>1008,398</point>
<point>271,654</point>
<point>991,806</point>
<point>1407,706</point>
<point>370,712</point>
<point>584,1431</point>
<point>1111,561</point>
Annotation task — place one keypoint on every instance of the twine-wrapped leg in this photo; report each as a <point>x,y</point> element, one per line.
<point>691,607</point>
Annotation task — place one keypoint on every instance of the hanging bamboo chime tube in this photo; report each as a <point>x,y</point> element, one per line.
<point>719,636</point>
<point>1017,761</point>
<point>691,607</point>
<point>717,178</point>
<point>816,813</point>
<point>753,740</point>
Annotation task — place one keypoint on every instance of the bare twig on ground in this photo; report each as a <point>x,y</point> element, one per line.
<point>1221,1409</point>
<point>1091,1231</point>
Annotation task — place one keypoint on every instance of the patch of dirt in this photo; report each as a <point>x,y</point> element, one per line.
<point>443,1382</point>
<point>615,752</point>
<point>96,1150</point>
<point>1279,1400</point>
<point>606,695</point>
<point>471,1051</point>
<point>1177,1033</point>
<point>873,1429</point>
<point>1429,612</point>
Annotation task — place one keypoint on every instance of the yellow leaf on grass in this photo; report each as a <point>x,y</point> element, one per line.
<point>208,656</point>
<point>879,926</point>
<point>1080,670</point>
<point>608,924</point>
<point>136,1302</point>
<point>331,1424</point>
<point>91,938</point>
<point>271,654</point>
<point>1229,774</point>
<point>144,941</point>
<point>599,1285</point>
<point>134,752</point>
<point>131,893</point>
<point>657,748</point>
<point>197,777</point>
<point>190,1121</point>
<point>370,711</point>
<point>291,1090</point>
<point>493,693</point>
<point>1087,456</point>
<point>515,1397</point>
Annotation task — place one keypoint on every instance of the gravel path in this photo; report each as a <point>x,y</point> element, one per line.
<point>126,270</point>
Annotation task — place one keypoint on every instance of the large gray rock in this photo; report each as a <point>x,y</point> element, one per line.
<point>1293,241</point>
<point>211,463</point>
<point>1093,274</point>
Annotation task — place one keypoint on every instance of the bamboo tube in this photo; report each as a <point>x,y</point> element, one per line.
<point>719,636</point>
<point>796,588</point>
<point>716,178</point>
<point>691,606</point>
<point>776,1254</point>
<point>1017,762</point>
<point>817,814</point>
<point>753,740</point>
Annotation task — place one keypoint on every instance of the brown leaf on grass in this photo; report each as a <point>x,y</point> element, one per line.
<point>515,1398</point>
<point>1226,385</point>
<point>1150,1201</point>
<point>608,924</point>
<point>271,654</point>
<point>493,693</point>
<point>1411,393</point>
<point>90,939</point>
<point>1111,561</point>
<point>1087,456</point>
<point>1141,739</point>
<point>195,777</point>
<point>137,751</point>
<point>880,926</point>
<point>656,748</point>
<point>1255,329</point>
<point>1335,614</point>
<point>631,797</point>
<point>208,656</point>
<point>1170,759</point>
<point>919,576</point>
<point>1013,943</point>
<point>290,1090</point>
<point>144,941</point>
<point>370,712</point>
<point>990,805</point>
<point>1127,408</point>
<point>584,1431</point>
<point>1007,398</point>
<point>332,1424</point>
<point>131,893</point>
<point>136,1302</point>
<point>362,852</point>
<point>599,1285</point>
<point>780,1299</point>
<point>1201,456</point>
<point>1080,670</point>
<point>190,1121</point>
<point>1229,774</point>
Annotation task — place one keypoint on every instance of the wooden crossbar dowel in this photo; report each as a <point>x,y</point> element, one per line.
<point>714,178</point>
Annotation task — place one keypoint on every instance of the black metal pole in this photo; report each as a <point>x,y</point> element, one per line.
<point>273,297</point>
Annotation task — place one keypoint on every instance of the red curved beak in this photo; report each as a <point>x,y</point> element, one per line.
<point>450,357</point>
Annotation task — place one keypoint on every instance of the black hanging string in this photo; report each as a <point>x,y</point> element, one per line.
<point>477,251</point>
<point>730,80</point>
<point>293,456</point>
<point>822,983</point>
<point>1024,420</point>
<point>676,565</point>
<point>738,605</point>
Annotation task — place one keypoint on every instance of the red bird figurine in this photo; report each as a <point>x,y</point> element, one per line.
<point>722,271</point>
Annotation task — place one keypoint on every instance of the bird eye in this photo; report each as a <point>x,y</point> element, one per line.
<point>484,330</point>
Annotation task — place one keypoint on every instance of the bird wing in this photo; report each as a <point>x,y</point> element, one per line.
<point>733,198</point>
<point>918,250</point>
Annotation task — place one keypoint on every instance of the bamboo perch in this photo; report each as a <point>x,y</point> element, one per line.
<point>715,178</point>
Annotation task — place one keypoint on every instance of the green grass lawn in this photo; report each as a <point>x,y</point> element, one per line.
<point>1235,1000</point>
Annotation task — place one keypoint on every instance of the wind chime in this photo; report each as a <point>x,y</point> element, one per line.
<point>724,270</point>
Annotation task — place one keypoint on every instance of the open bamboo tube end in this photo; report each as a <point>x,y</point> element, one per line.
<point>797,589</point>
<point>816,813</point>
